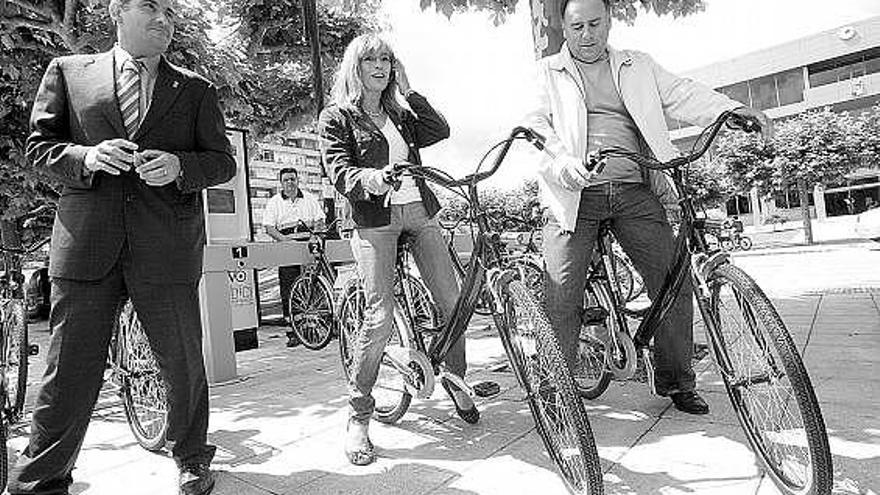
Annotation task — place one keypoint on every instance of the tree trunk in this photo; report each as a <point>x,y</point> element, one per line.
<point>805,210</point>
<point>546,27</point>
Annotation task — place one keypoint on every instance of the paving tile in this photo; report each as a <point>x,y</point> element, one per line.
<point>687,457</point>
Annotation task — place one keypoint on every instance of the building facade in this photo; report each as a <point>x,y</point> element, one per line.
<point>299,150</point>
<point>838,68</point>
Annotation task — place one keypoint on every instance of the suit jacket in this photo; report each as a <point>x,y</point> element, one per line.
<point>100,214</point>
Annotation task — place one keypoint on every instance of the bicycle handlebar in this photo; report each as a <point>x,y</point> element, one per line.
<point>731,119</point>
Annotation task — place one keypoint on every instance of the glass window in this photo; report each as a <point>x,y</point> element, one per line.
<point>872,65</point>
<point>822,78</point>
<point>763,92</point>
<point>791,86</point>
<point>738,92</point>
<point>267,155</point>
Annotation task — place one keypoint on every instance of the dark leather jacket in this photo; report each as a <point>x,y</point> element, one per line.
<point>353,144</point>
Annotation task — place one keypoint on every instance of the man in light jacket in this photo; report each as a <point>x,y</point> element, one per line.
<point>592,96</point>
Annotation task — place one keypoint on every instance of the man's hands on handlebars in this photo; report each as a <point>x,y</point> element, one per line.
<point>751,120</point>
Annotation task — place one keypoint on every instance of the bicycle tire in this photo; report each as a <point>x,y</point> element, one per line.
<point>745,243</point>
<point>559,413</point>
<point>425,315</point>
<point>592,375</point>
<point>532,276</point>
<point>310,306</point>
<point>394,400</point>
<point>143,390</point>
<point>751,343</point>
<point>624,277</point>
<point>15,333</point>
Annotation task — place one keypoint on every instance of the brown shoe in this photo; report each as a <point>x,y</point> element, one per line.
<point>196,479</point>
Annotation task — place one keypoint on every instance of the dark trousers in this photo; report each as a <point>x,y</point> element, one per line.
<point>639,223</point>
<point>286,276</point>
<point>82,318</point>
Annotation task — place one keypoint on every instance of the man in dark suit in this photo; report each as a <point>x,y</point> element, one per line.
<point>134,140</point>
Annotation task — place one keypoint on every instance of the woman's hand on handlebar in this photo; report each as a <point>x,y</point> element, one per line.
<point>391,173</point>
<point>751,120</point>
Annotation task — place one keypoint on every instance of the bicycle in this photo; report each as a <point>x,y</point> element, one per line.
<point>311,300</point>
<point>756,357</point>
<point>133,370</point>
<point>15,348</point>
<point>416,354</point>
<point>528,262</point>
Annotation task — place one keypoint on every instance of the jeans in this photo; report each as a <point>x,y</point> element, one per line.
<point>375,251</point>
<point>639,223</point>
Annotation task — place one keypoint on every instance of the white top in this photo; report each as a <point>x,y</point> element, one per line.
<point>398,151</point>
<point>283,213</point>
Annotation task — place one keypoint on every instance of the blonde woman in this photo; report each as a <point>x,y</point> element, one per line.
<point>366,132</point>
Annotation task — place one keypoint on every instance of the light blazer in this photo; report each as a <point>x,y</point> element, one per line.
<point>649,93</point>
<point>101,214</point>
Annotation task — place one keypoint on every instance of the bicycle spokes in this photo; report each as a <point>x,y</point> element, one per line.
<point>761,387</point>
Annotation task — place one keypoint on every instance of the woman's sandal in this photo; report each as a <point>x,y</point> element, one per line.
<point>470,415</point>
<point>363,455</point>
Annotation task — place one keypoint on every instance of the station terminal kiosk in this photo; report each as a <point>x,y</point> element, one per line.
<point>228,289</point>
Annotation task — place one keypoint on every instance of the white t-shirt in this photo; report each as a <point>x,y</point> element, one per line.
<point>398,151</point>
<point>283,213</point>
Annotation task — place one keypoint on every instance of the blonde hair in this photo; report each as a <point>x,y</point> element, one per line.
<point>348,87</point>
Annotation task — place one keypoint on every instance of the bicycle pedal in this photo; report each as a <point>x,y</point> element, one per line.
<point>33,350</point>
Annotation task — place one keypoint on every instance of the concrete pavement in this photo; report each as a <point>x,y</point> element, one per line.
<point>279,427</point>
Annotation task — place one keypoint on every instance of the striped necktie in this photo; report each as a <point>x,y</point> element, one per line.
<point>128,92</point>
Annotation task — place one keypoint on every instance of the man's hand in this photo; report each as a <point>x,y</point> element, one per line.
<point>113,156</point>
<point>158,168</point>
<point>759,116</point>
<point>575,175</point>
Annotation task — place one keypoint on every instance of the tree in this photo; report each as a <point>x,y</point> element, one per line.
<point>271,36</point>
<point>814,147</point>
<point>261,70</point>
<point>546,21</point>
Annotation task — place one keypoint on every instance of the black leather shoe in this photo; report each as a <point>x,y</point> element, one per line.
<point>470,415</point>
<point>689,402</point>
<point>292,340</point>
<point>196,479</point>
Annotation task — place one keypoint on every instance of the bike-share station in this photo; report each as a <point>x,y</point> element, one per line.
<point>228,287</point>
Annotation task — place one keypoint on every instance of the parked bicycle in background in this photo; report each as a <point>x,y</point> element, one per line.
<point>15,347</point>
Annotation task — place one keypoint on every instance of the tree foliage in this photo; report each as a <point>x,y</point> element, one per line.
<point>625,10</point>
<point>261,67</point>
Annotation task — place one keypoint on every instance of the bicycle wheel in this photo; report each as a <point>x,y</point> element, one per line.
<point>624,277</point>
<point>558,410</point>
<point>142,386</point>
<point>311,310</point>
<point>768,384</point>
<point>532,276</point>
<point>727,245</point>
<point>425,316</point>
<point>15,358</point>
<point>389,392</point>
<point>592,375</point>
<point>745,243</point>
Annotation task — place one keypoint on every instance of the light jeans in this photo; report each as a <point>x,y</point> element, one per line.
<point>639,223</point>
<point>375,251</point>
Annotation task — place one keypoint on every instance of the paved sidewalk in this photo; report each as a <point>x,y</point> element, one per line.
<point>279,427</point>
